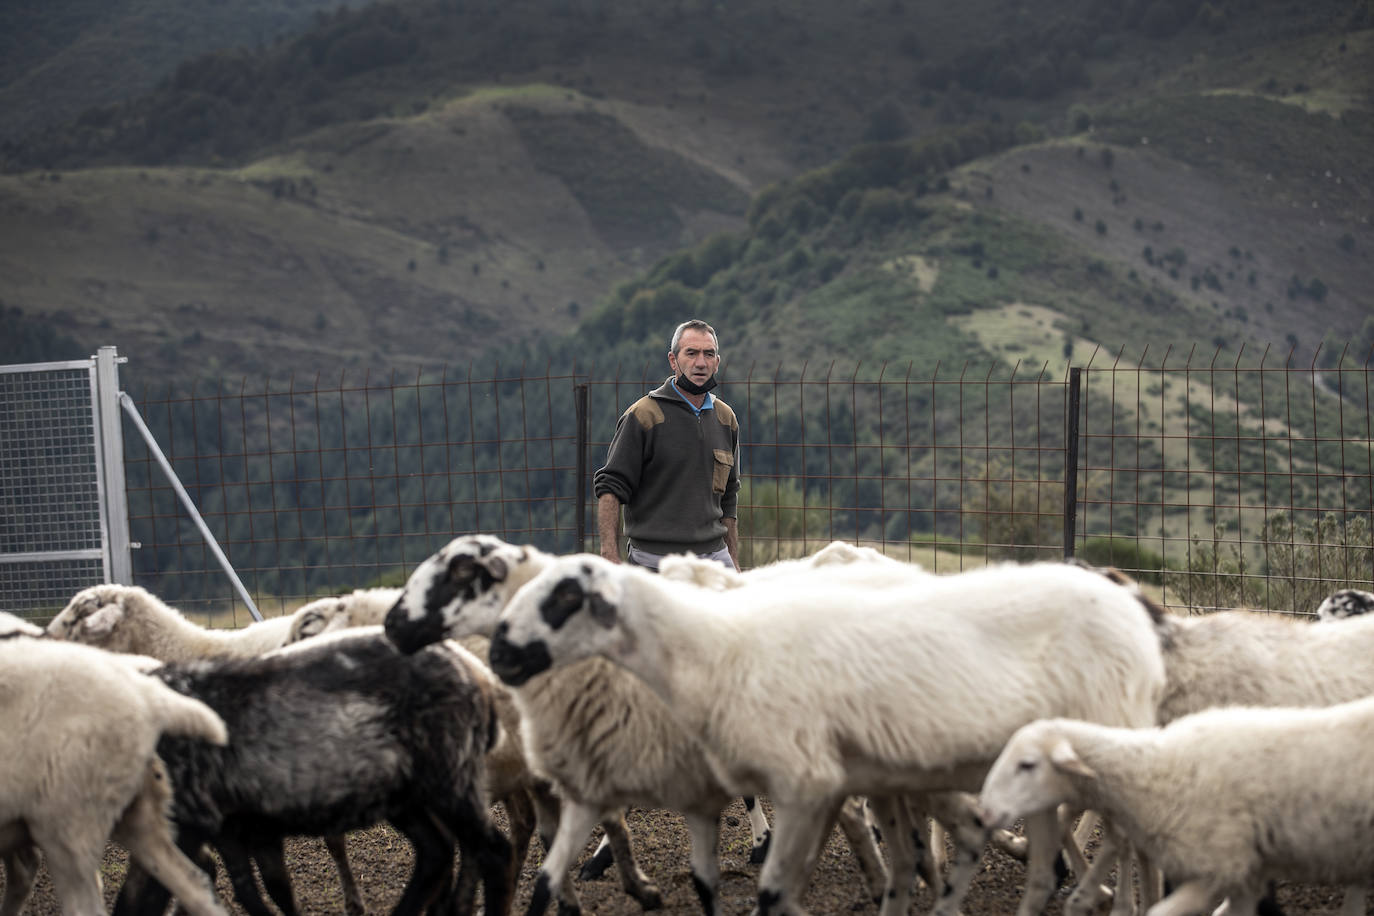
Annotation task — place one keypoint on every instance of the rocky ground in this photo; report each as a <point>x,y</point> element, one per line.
<point>382,858</point>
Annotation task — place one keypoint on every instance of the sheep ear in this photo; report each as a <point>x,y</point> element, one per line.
<point>1065,759</point>
<point>462,569</point>
<point>103,621</point>
<point>496,568</point>
<point>602,611</point>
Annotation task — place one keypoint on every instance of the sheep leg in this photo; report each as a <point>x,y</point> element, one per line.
<point>1190,897</point>
<point>486,855</point>
<point>1090,890</point>
<point>547,813</point>
<point>271,861</point>
<point>968,837</point>
<point>799,829</point>
<point>239,864</point>
<point>73,865</point>
<point>1042,835</point>
<point>632,878</point>
<point>1353,905</point>
<point>904,849</point>
<point>863,842</point>
<point>1151,880</point>
<point>21,869</point>
<point>433,867</point>
<point>353,898</point>
<point>520,814</point>
<point>575,822</point>
<point>143,830</point>
<point>595,868</point>
<point>758,826</point>
<point>704,830</point>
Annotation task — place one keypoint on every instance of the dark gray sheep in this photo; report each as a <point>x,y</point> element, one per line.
<point>337,734</point>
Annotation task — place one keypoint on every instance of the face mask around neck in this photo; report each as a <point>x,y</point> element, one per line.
<point>692,387</point>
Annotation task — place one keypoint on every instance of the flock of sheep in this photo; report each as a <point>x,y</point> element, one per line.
<point>915,711</point>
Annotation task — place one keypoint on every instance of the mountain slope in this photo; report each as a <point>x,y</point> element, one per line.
<point>429,183</point>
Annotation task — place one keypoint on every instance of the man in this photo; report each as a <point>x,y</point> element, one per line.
<point>672,464</point>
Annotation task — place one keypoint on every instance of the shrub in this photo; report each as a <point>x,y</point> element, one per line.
<point>880,209</point>
<point>1303,562</point>
<point>1125,554</point>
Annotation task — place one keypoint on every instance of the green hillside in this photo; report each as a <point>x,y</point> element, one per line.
<point>429,183</point>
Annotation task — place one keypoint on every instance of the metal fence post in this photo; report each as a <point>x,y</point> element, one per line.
<point>1071,460</point>
<point>119,563</point>
<point>583,441</point>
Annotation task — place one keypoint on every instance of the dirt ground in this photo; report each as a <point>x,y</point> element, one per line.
<point>381,860</point>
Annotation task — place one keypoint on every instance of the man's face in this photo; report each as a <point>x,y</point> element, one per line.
<point>696,358</point>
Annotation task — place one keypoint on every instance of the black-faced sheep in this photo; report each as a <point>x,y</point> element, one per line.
<point>910,688</point>
<point>597,733</point>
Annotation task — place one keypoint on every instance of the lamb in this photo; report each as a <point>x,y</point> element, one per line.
<point>1195,797</point>
<point>130,619</point>
<point>337,734</point>
<point>68,797</point>
<point>1348,602</point>
<point>622,749</point>
<point>916,693</point>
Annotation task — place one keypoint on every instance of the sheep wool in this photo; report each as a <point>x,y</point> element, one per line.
<point>907,688</point>
<point>1224,800</point>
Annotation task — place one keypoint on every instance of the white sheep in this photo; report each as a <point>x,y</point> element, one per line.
<point>1224,801</point>
<point>870,568</point>
<point>1242,658</point>
<point>86,769</point>
<point>1348,602</point>
<point>602,738</point>
<point>130,619</point>
<point>901,689</point>
<point>362,607</point>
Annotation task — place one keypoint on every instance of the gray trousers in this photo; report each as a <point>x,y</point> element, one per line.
<point>650,560</point>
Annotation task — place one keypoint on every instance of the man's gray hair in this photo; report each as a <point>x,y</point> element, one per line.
<point>692,324</point>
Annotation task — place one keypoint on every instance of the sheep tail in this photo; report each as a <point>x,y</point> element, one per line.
<point>182,715</point>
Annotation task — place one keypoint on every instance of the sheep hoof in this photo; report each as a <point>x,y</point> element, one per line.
<point>568,909</point>
<point>649,897</point>
<point>760,852</point>
<point>595,867</point>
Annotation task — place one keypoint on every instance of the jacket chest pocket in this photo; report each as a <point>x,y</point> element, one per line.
<point>720,472</point>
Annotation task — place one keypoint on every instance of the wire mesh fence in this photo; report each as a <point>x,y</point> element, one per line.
<point>1217,483</point>
<point>50,486</point>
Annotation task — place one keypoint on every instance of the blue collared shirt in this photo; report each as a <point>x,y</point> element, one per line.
<point>707,404</point>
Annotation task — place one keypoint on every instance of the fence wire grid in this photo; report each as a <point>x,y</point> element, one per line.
<point>1216,482</point>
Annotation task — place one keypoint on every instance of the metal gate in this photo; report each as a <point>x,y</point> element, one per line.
<point>63,512</point>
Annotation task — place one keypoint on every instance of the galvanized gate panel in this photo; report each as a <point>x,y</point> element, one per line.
<point>55,530</point>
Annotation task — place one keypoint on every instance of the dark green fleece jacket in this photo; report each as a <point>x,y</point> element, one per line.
<point>675,472</point>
